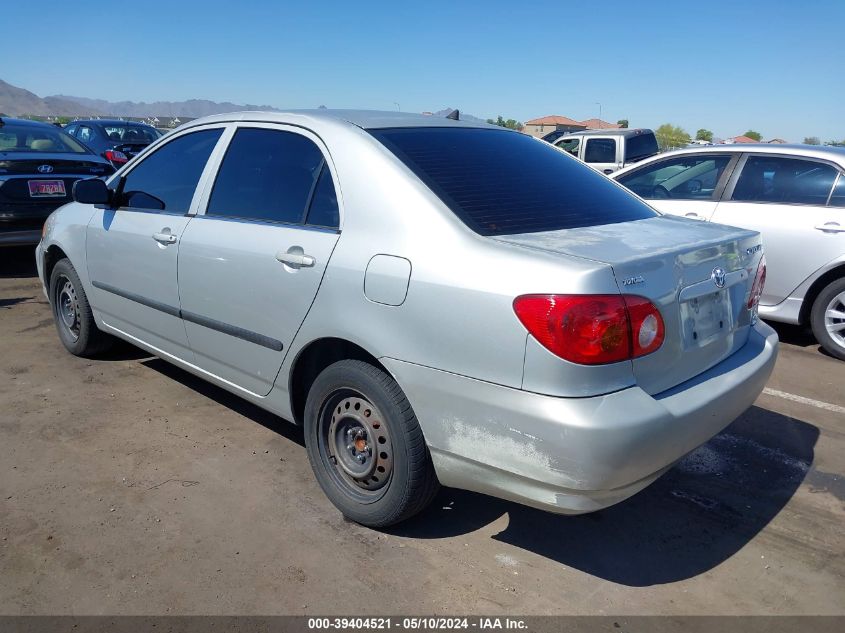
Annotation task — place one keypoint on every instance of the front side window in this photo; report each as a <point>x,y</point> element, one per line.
<point>681,178</point>
<point>267,175</point>
<point>784,180</point>
<point>502,183</point>
<point>570,145</point>
<point>166,180</point>
<point>600,150</point>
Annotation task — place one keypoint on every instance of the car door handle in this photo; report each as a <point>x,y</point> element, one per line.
<point>295,259</point>
<point>830,227</point>
<point>164,238</point>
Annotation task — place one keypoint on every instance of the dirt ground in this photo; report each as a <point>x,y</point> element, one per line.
<point>128,486</point>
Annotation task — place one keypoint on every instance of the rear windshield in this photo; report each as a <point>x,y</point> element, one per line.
<point>640,147</point>
<point>37,138</point>
<point>501,183</point>
<point>131,133</point>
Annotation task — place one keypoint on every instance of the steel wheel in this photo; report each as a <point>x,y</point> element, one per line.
<point>354,441</point>
<point>834,319</point>
<point>67,307</point>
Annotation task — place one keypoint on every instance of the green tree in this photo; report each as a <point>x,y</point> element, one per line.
<point>671,136</point>
<point>834,143</point>
<point>512,124</point>
<point>812,140</point>
<point>704,135</point>
<point>623,123</point>
<point>752,134</point>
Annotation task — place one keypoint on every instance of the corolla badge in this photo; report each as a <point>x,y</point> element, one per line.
<point>45,169</point>
<point>718,276</point>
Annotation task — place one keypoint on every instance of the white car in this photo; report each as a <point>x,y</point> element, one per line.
<point>793,195</point>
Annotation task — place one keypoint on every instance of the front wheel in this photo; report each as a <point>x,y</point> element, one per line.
<point>827,318</point>
<point>365,445</point>
<point>72,313</point>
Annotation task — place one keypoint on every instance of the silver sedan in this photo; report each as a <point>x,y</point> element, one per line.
<point>435,301</point>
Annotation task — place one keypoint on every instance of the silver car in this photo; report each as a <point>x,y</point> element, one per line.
<point>435,301</point>
<point>793,195</point>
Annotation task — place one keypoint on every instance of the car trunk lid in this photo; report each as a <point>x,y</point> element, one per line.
<point>678,265</point>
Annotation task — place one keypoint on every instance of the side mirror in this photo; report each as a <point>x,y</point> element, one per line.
<point>91,191</point>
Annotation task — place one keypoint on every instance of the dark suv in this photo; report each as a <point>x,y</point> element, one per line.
<point>38,165</point>
<point>115,140</point>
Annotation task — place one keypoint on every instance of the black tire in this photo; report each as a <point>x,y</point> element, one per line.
<point>831,297</point>
<point>390,484</point>
<point>72,313</point>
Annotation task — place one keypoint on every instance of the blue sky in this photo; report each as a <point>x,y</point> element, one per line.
<point>775,66</point>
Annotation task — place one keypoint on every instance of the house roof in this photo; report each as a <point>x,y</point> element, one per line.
<point>743,139</point>
<point>598,124</point>
<point>554,119</point>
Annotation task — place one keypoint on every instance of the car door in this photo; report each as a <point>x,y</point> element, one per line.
<point>132,248</point>
<point>688,184</point>
<point>788,200</point>
<point>602,153</point>
<point>251,264</point>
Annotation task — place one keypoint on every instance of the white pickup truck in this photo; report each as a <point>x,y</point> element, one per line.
<point>609,150</point>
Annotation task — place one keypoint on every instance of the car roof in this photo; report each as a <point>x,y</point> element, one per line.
<point>365,119</point>
<point>812,151</point>
<point>24,122</point>
<point>109,122</point>
<point>614,131</point>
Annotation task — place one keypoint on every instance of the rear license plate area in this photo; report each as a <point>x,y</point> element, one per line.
<point>706,318</point>
<point>46,189</point>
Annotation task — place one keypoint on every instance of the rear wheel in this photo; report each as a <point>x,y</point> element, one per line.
<point>365,445</point>
<point>72,313</point>
<point>828,318</point>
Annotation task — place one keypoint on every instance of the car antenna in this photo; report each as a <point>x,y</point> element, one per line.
<point>454,115</point>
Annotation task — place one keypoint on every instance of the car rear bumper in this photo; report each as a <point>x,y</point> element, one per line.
<point>576,455</point>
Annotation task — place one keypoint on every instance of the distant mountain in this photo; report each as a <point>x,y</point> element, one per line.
<point>193,108</point>
<point>16,101</point>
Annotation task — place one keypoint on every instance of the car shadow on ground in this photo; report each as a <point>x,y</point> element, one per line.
<point>703,511</point>
<point>799,336</point>
<point>17,261</point>
<point>237,404</point>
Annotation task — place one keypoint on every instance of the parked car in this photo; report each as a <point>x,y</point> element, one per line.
<point>433,300</point>
<point>609,150</point>
<point>793,195</point>
<point>115,140</point>
<point>38,166</point>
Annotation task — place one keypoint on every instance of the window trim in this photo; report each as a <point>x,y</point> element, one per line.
<point>119,178</point>
<point>222,148</point>
<point>729,190</point>
<point>721,184</point>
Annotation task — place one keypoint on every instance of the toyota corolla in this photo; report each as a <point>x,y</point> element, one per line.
<point>435,301</point>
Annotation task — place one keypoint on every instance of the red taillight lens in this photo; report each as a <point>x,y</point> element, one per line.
<point>592,329</point>
<point>757,286</point>
<point>118,158</point>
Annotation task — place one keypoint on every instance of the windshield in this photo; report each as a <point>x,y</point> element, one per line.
<point>501,182</point>
<point>131,133</point>
<point>37,138</point>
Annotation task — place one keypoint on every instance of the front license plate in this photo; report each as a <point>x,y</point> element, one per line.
<point>47,189</point>
<point>706,318</point>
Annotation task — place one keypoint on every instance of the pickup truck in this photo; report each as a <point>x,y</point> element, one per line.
<point>609,150</point>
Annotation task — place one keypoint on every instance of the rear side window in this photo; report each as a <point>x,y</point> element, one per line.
<point>784,180</point>
<point>323,210</point>
<point>837,198</point>
<point>600,150</point>
<point>267,175</point>
<point>166,180</point>
<point>500,182</point>
<point>639,147</point>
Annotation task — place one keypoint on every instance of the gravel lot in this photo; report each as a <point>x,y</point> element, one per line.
<point>127,486</point>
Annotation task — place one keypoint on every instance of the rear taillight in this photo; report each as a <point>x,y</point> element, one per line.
<point>757,288</point>
<point>116,157</point>
<point>592,329</point>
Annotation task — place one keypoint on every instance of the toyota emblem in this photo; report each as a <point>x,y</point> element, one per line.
<point>718,276</point>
